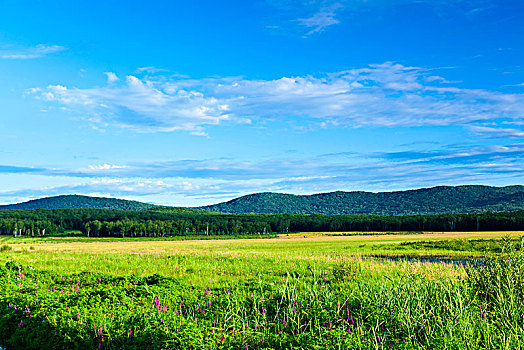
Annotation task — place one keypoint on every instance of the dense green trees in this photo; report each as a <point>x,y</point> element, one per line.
<point>27,227</point>
<point>428,201</point>
<point>155,228</point>
<point>76,201</point>
<point>172,221</point>
<point>436,200</point>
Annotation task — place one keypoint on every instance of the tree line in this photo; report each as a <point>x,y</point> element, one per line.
<point>155,228</point>
<point>27,227</point>
<point>167,221</point>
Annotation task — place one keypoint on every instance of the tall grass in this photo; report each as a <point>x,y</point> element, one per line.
<point>498,285</point>
<point>200,298</point>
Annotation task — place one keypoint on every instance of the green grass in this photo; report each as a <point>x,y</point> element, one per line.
<point>78,237</point>
<point>312,293</point>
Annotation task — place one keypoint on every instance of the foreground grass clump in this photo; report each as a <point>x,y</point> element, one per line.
<point>260,300</point>
<point>499,287</point>
<point>321,308</point>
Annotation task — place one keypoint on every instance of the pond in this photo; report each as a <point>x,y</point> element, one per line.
<point>432,259</point>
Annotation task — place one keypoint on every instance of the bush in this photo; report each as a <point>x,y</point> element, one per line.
<point>346,271</point>
<point>498,288</point>
<point>500,278</point>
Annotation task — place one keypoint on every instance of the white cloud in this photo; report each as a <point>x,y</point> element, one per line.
<point>322,19</point>
<point>30,52</point>
<point>111,77</point>
<point>498,132</point>
<point>151,70</point>
<point>378,95</point>
<point>106,167</point>
<point>293,16</point>
<point>203,181</point>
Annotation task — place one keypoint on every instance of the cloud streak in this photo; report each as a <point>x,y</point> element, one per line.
<point>498,132</point>
<point>387,94</point>
<point>316,16</point>
<point>205,181</point>
<point>37,51</point>
<point>318,22</point>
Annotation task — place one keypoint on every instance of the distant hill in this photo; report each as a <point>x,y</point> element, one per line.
<point>436,200</point>
<point>76,201</point>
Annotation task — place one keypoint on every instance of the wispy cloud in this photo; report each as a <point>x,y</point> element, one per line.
<point>111,77</point>
<point>315,16</point>
<point>498,132</point>
<point>151,70</point>
<point>305,17</point>
<point>100,187</point>
<point>106,167</point>
<point>13,169</point>
<point>471,155</point>
<point>204,180</point>
<point>30,52</point>
<point>385,94</point>
<point>325,17</point>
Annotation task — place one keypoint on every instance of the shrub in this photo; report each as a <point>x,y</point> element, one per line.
<point>346,271</point>
<point>501,278</point>
<point>498,288</point>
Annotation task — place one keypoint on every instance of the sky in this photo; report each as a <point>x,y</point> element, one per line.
<point>190,103</point>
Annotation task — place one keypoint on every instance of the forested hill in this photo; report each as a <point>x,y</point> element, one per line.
<point>436,200</point>
<point>76,201</point>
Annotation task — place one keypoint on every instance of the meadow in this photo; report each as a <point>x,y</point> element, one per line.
<point>296,291</point>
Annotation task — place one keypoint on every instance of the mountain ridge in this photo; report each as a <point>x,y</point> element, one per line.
<point>434,200</point>
<point>75,201</point>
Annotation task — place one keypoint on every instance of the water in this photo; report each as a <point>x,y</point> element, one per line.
<point>435,260</point>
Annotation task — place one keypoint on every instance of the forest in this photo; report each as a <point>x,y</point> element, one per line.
<point>429,201</point>
<point>175,221</point>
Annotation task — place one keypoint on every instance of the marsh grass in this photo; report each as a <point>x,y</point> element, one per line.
<point>498,285</point>
<point>268,294</point>
<point>80,238</point>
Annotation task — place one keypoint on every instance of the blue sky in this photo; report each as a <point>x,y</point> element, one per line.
<point>190,103</point>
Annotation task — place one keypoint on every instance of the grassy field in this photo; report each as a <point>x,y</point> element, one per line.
<point>297,291</point>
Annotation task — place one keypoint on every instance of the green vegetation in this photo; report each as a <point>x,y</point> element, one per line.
<point>463,245</point>
<point>68,238</point>
<point>426,201</point>
<point>436,200</point>
<point>183,222</point>
<point>76,201</point>
<point>272,294</point>
<point>500,285</point>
